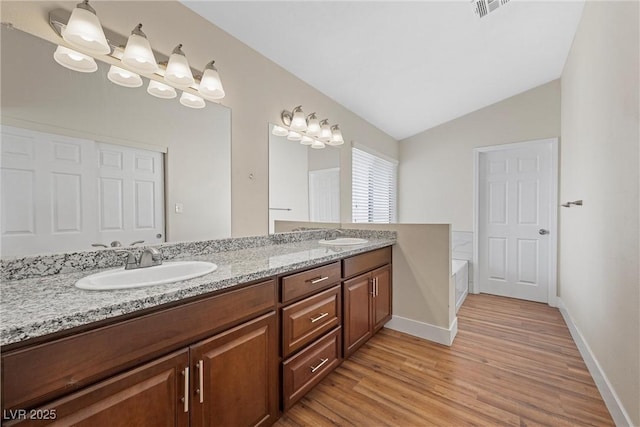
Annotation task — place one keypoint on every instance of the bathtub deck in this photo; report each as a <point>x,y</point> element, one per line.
<point>512,363</point>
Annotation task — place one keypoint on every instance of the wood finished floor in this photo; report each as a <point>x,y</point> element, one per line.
<point>512,363</point>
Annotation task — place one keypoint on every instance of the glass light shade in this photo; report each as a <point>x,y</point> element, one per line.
<point>279,131</point>
<point>325,131</point>
<point>306,140</point>
<point>161,90</point>
<point>139,56</point>
<point>178,71</point>
<point>123,77</point>
<point>210,84</point>
<point>85,32</point>
<point>298,121</point>
<point>294,136</point>
<point>75,61</point>
<point>336,136</point>
<point>317,144</point>
<point>313,126</point>
<point>191,101</point>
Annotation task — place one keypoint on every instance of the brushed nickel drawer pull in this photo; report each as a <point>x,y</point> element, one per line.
<point>321,316</point>
<point>185,399</point>
<point>318,279</point>
<point>320,365</point>
<point>200,390</point>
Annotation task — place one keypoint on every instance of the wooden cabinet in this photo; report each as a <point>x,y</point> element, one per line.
<point>151,395</point>
<point>381,297</point>
<point>235,376</point>
<point>357,312</point>
<point>224,369</point>
<point>209,361</point>
<point>367,297</point>
<point>311,329</point>
<point>303,371</point>
<point>310,318</point>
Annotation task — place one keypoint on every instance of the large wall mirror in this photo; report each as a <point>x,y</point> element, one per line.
<point>85,161</point>
<point>304,183</point>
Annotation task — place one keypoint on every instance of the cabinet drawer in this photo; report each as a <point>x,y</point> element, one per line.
<point>306,320</point>
<point>308,282</point>
<point>304,370</point>
<point>35,374</point>
<point>365,262</point>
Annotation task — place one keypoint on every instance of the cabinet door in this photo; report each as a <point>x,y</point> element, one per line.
<point>357,312</point>
<point>381,298</point>
<point>151,395</point>
<point>235,375</point>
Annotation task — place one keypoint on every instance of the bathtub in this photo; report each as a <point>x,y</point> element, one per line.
<point>460,274</point>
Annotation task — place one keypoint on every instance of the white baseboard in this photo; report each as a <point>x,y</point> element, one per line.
<point>617,411</point>
<point>424,330</point>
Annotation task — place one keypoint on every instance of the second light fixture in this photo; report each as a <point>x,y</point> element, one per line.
<point>308,130</point>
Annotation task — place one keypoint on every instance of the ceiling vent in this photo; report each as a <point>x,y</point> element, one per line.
<point>484,7</point>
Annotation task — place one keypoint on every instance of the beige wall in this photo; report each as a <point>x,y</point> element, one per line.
<point>436,166</point>
<point>39,94</point>
<point>257,91</point>
<point>423,291</point>
<point>599,281</point>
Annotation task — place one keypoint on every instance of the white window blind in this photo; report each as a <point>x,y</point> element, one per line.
<point>374,182</point>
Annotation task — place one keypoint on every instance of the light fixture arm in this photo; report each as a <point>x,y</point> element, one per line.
<point>86,6</point>
<point>178,50</point>
<point>286,117</point>
<point>138,31</point>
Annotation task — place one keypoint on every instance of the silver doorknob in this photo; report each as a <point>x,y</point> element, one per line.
<point>542,232</point>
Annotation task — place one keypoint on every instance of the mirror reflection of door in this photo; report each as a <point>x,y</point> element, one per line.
<point>54,199</point>
<point>324,195</point>
<point>304,183</point>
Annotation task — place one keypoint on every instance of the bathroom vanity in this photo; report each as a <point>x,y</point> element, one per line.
<point>231,348</point>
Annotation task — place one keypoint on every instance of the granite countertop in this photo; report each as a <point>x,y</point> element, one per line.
<point>37,306</point>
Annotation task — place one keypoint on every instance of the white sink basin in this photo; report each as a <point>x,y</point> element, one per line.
<point>343,241</point>
<point>168,272</point>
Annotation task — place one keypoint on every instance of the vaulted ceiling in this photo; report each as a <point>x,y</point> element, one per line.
<point>406,66</point>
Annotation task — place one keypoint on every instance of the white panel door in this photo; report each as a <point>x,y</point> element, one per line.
<point>324,195</point>
<point>514,221</point>
<point>130,195</point>
<point>48,200</point>
<point>54,199</point>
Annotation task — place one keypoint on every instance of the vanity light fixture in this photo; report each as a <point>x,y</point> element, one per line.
<point>313,125</point>
<point>317,144</point>
<point>161,90</point>
<point>294,136</point>
<point>138,54</point>
<point>191,101</point>
<point>309,131</point>
<point>178,71</point>
<point>298,122</point>
<point>123,77</point>
<point>134,58</point>
<point>75,61</point>
<point>84,30</point>
<point>279,131</point>
<point>325,130</point>
<point>210,84</point>
<point>336,136</point>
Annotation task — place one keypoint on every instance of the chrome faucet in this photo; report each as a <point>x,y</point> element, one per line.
<point>333,234</point>
<point>148,258</point>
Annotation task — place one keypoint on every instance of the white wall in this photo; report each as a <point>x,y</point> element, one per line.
<point>435,178</point>
<point>598,264</point>
<point>257,91</point>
